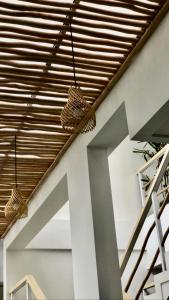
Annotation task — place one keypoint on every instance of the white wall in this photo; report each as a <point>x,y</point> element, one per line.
<point>48,257</point>
<point>147,95</point>
<point>123,165</point>
<point>52,269</point>
<point>54,235</point>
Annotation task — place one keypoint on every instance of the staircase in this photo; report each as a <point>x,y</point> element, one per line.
<point>154,199</point>
<point>159,289</point>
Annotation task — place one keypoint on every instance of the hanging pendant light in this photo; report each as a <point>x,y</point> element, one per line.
<point>77,107</point>
<point>16,204</point>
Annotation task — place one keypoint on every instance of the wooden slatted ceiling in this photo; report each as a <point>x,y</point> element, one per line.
<point>36,72</point>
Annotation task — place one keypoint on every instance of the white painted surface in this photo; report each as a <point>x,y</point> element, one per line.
<point>147,80</point>
<point>63,213</point>
<point>82,233</point>
<point>104,226</point>
<point>51,269</point>
<point>123,165</point>
<point>54,235</point>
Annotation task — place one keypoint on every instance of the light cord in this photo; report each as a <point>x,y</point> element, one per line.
<point>73,54</point>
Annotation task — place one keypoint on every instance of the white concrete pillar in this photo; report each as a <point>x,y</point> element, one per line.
<point>104,226</point>
<point>94,248</point>
<point>82,233</point>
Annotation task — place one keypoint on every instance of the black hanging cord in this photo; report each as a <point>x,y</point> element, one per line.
<point>15,165</point>
<point>73,55</point>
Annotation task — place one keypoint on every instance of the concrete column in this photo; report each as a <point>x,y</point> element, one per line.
<point>82,233</point>
<point>94,249</point>
<point>104,226</point>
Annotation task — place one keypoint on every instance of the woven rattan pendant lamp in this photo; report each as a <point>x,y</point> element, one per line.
<point>16,204</point>
<point>77,107</point>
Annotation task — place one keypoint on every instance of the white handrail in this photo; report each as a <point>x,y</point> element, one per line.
<point>153,188</point>
<point>31,282</point>
<point>153,159</point>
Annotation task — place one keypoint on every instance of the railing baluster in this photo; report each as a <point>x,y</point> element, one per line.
<point>142,192</point>
<point>156,207</point>
<point>27,291</point>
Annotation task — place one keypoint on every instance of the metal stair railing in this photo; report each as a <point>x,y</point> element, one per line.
<point>148,201</point>
<point>145,244</point>
<point>152,265</point>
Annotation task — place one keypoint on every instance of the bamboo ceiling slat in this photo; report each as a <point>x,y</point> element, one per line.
<point>33,119</point>
<point>96,82</point>
<point>54,27</point>
<point>64,58</point>
<point>143,7</point>
<point>80,39</point>
<point>52,75</point>
<point>90,48</point>
<point>77,30</point>
<point>36,73</point>
<point>52,17</point>
<point>54,83</point>
<point>64,53</point>
<point>127,3</point>
<point>85,8</point>
<point>99,66</point>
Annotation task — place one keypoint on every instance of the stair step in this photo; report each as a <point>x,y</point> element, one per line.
<point>149,288</point>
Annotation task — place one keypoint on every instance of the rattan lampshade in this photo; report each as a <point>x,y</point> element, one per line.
<point>77,107</point>
<point>75,110</point>
<point>16,204</point>
<point>10,212</point>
